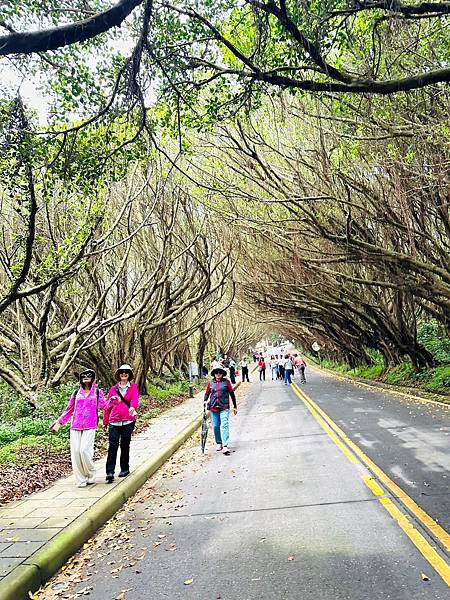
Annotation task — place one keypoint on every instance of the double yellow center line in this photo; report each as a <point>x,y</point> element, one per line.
<point>356,456</point>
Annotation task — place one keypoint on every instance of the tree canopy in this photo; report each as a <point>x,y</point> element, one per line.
<point>207,172</point>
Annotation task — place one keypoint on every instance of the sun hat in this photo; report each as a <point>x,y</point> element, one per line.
<point>86,373</point>
<point>124,368</point>
<point>219,370</point>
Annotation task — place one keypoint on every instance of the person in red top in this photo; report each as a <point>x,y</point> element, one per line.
<point>123,401</point>
<point>217,399</point>
<point>262,369</point>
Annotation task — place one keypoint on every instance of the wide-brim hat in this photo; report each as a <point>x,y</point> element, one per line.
<point>219,370</point>
<point>86,373</point>
<point>124,368</point>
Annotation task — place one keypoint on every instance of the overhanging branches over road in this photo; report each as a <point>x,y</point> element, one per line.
<point>346,48</point>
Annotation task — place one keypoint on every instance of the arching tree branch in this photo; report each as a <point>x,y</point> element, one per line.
<point>65,35</point>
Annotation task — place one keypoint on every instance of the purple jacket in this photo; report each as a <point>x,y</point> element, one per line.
<point>83,409</point>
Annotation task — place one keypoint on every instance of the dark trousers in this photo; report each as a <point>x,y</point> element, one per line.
<point>245,374</point>
<point>281,371</point>
<point>119,434</point>
<point>302,374</point>
<point>232,375</point>
<point>262,375</point>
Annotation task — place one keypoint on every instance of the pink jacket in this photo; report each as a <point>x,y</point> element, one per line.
<point>83,409</point>
<point>117,409</point>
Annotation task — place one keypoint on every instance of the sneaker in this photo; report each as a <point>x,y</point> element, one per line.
<point>90,482</point>
<point>124,473</point>
<point>226,451</point>
<point>82,484</point>
<point>109,477</point>
<point>219,448</point>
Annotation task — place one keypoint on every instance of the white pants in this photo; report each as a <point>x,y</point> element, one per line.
<point>82,454</point>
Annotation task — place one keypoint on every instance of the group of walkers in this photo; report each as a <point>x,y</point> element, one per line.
<point>282,367</point>
<point>120,410</point>
<point>231,367</point>
<point>119,417</point>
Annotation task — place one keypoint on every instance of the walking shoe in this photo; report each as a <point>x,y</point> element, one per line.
<point>124,473</point>
<point>82,484</point>
<point>219,448</point>
<point>109,477</point>
<point>90,481</point>
<point>226,451</point>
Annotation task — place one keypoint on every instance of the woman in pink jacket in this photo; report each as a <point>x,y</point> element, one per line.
<point>123,401</point>
<point>82,409</point>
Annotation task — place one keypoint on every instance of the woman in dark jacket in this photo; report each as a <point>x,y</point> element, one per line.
<point>217,399</point>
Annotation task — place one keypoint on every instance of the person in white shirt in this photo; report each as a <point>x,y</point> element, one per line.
<point>274,367</point>
<point>244,370</point>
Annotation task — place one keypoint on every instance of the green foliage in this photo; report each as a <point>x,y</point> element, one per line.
<point>335,366</point>
<point>438,380</point>
<point>148,415</point>
<point>25,427</point>
<point>431,335</point>
<point>435,380</point>
<point>12,406</point>
<point>400,374</point>
<point>179,388</point>
<point>11,453</point>
<point>371,372</point>
<point>52,401</point>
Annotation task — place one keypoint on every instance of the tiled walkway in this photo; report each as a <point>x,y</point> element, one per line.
<point>26,525</point>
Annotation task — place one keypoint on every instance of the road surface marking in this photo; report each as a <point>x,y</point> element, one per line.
<point>438,563</point>
<point>351,457</point>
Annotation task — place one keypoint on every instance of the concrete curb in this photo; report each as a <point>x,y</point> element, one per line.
<point>44,563</point>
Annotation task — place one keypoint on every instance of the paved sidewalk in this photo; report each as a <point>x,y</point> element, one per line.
<point>27,525</point>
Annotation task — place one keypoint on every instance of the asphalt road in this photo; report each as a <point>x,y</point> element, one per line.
<point>408,439</point>
<point>287,515</point>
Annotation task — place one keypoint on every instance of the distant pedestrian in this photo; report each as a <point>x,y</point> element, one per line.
<point>262,369</point>
<point>232,366</point>
<point>301,363</point>
<point>83,410</point>
<point>281,363</point>
<point>244,370</point>
<point>123,401</point>
<point>288,369</point>
<point>217,399</point>
<point>273,364</point>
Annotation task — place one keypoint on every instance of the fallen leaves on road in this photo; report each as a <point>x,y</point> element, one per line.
<point>119,545</point>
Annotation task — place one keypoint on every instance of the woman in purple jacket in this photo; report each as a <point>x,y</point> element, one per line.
<point>82,409</point>
<point>123,401</point>
<point>217,399</point>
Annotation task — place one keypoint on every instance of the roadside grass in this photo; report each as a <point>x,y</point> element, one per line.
<point>29,450</point>
<point>436,380</point>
